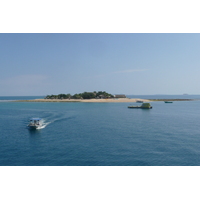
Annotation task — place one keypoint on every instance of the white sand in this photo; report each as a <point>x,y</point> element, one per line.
<point>120,100</point>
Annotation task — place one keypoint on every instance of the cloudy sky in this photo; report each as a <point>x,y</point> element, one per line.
<point>132,63</point>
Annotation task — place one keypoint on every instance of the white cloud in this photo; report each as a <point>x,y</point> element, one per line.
<point>131,71</point>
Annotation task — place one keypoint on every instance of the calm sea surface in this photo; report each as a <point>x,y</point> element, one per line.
<point>100,134</point>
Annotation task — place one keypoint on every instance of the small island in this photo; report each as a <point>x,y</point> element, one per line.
<point>90,97</point>
<point>98,97</point>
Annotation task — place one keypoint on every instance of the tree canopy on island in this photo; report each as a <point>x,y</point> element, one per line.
<point>84,95</point>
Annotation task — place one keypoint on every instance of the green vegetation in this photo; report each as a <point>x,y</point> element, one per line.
<point>84,95</point>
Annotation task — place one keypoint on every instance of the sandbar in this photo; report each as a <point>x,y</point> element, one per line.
<point>114,100</point>
<point>119,100</point>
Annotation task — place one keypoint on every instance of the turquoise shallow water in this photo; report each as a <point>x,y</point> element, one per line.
<point>100,134</point>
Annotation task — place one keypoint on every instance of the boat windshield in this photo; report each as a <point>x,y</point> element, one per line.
<point>35,121</point>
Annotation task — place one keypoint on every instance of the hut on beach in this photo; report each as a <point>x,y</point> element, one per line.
<point>120,96</point>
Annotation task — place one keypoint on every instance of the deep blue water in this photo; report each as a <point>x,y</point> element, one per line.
<point>100,134</point>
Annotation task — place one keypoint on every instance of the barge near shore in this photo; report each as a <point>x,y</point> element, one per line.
<point>143,106</point>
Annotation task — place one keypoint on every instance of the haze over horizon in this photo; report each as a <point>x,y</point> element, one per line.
<point>118,63</point>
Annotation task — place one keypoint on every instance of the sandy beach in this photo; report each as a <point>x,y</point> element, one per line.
<point>117,100</point>
<point>120,100</point>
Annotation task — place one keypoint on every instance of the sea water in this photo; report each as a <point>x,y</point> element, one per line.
<point>100,134</point>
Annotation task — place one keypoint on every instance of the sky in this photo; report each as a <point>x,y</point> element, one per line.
<point>118,63</point>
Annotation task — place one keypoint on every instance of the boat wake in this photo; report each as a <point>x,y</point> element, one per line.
<point>43,125</point>
<point>55,118</point>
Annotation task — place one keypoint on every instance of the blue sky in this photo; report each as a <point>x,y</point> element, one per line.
<point>119,63</point>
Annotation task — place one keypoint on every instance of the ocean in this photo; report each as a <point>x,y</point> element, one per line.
<point>100,134</point>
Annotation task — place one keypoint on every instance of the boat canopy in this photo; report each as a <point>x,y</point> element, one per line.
<point>35,119</point>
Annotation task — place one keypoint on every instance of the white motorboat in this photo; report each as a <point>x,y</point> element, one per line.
<point>35,123</point>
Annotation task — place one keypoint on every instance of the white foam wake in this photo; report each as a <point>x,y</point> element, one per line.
<point>44,124</point>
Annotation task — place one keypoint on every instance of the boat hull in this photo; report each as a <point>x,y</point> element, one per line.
<point>143,106</point>
<point>33,127</point>
<point>139,107</point>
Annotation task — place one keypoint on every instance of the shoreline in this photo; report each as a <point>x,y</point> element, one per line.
<point>119,100</point>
